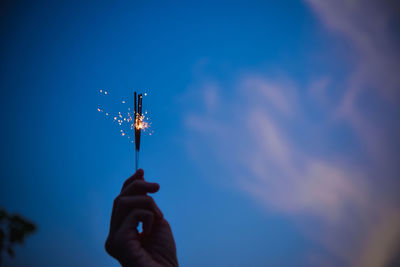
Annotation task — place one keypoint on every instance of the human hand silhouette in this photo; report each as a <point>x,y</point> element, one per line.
<point>155,246</point>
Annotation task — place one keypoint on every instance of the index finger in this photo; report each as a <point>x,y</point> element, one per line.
<point>138,175</point>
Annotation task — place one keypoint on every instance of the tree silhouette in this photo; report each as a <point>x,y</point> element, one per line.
<point>13,230</point>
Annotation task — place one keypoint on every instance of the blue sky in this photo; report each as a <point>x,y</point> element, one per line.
<point>275,127</point>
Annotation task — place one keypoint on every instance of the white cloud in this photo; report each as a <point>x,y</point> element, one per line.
<point>284,178</point>
<point>369,27</point>
<point>275,95</point>
<point>357,210</point>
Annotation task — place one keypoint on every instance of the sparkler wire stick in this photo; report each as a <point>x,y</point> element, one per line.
<point>137,123</point>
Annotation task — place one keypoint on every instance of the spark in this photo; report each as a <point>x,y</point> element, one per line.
<point>142,122</point>
<point>127,121</point>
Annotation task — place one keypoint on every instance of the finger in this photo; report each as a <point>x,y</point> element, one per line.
<point>140,187</point>
<point>123,205</point>
<point>132,220</point>
<point>138,175</point>
<point>141,202</point>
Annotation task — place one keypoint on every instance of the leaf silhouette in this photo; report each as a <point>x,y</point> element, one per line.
<point>13,230</point>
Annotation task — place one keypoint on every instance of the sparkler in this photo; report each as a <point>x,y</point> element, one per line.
<point>138,115</point>
<point>129,123</point>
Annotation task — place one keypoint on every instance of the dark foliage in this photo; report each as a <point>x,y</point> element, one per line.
<point>13,230</point>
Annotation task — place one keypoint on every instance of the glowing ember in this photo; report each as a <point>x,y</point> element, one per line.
<point>126,121</point>
<point>140,123</point>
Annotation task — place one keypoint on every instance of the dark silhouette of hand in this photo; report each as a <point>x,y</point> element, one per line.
<point>155,246</point>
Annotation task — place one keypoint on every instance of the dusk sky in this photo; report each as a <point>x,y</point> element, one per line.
<point>276,127</point>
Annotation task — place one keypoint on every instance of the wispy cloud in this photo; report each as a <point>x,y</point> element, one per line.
<point>370,28</point>
<point>265,136</point>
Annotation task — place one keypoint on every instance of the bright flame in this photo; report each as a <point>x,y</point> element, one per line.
<point>140,123</point>
<point>126,121</point>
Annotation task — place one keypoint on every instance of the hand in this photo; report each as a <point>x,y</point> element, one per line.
<point>155,246</point>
